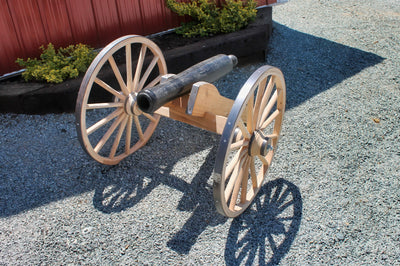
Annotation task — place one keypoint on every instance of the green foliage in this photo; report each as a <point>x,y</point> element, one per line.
<point>57,66</point>
<point>208,19</point>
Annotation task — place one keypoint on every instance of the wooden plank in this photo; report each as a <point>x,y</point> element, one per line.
<point>205,98</point>
<point>211,122</point>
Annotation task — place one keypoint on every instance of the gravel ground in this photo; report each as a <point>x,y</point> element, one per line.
<point>333,194</point>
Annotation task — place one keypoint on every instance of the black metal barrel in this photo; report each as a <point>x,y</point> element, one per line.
<point>210,70</point>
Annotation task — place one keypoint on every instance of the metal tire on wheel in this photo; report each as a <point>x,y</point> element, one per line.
<point>110,126</point>
<point>249,141</point>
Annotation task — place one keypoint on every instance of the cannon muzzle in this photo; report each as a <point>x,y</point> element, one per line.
<point>210,70</point>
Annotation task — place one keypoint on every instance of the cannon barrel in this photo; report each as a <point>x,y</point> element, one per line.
<point>210,70</point>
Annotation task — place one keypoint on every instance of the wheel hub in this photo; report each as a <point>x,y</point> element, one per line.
<point>131,107</point>
<point>259,144</point>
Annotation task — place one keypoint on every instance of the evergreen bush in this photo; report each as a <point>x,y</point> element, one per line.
<point>57,66</point>
<point>208,19</point>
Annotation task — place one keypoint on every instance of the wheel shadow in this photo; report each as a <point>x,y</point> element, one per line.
<point>124,185</point>
<point>119,193</point>
<point>264,233</point>
<point>274,216</point>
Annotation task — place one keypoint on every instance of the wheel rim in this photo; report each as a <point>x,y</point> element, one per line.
<point>110,126</point>
<point>249,141</point>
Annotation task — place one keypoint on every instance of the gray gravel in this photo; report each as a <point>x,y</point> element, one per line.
<point>333,196</point>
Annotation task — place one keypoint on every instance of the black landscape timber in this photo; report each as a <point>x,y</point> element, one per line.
<point>248,45</point>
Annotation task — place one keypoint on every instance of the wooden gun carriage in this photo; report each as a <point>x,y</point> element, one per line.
<point>116,116</point>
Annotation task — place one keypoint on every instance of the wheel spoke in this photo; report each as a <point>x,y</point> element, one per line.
<point>268,108</point>
<point>233,168</point>
<point>118,75</point>
<point>259,97</point>
<point>150,117</point>
<point>154,82</point>
<point>128,55</point>
<point>270,119</point>
<point>128,135</point>
<point>118,137</point>
<point>238,144</point>
<point>263,160</point>
<point>243,128</point>
<point>272,136</point>
<point>249,117</point>
<point>103,121</point>
<point>231,182</point>
<point>266,96</point>
<point>245,179</point>
<point>148,71</point>
<point>232,163</point>
<point>108,133</point>
<point>263,170</point>
<point>109,88</point>
<point>138,127</point>
<point>253,173</point>
<point>91,106</point>
<point>139,67</point>
<point>236,187</point>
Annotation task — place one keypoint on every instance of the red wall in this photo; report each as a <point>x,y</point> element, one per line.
<point>25,25</point>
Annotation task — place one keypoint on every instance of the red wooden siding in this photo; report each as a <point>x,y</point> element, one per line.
<point>107,19</point>
<point>153,16</point>
<point>28,25</point>
<point>9,44</point>
<point>130,16</point>
<point>25,25</point>
<point>55,21</point>
<point>82,20</point>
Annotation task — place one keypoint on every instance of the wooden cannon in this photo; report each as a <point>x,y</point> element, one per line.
<point>127,88</point>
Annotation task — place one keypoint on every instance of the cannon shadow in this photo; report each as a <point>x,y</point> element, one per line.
<point>315,64</point>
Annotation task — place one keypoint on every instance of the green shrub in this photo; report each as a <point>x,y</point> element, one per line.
<point>208,19</point>
<point>57,66</point>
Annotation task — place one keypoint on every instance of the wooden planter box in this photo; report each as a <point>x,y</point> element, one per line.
<point>249,45</point>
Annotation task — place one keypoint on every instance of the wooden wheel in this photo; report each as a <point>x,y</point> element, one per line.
<point>110,126</point>
<point>249,141</point>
